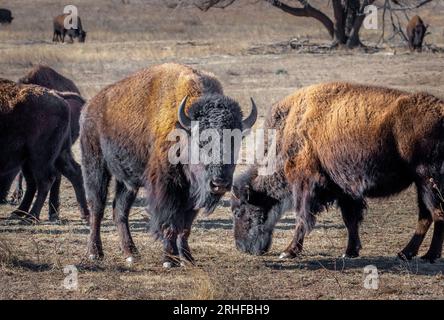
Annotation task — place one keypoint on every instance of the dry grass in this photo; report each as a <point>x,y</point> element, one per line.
<point>122,39</point>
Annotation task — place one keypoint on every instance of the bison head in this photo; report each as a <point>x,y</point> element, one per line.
<point>209,121</point>
<point>255,214</point>
<point>418,35</point>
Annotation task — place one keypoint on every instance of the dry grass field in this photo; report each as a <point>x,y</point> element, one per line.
<point>239,45</point>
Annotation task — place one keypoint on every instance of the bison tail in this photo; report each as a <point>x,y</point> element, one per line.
<point>69,95</point>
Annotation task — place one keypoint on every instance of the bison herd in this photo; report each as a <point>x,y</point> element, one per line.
<point>416,30</point>
<point>336,143</point>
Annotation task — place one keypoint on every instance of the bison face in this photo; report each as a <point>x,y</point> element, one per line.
<point>212,123</point>
<point>418,35</point>
<point>252,211</point>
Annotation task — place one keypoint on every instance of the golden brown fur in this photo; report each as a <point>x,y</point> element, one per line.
<point>356,117</point>
<point>342,142</point>
<point>156,94</point>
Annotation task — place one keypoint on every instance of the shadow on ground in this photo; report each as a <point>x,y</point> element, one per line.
<point>384,264</point>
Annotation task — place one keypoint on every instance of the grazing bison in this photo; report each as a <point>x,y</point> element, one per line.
<point>124,133</point>
<point>49,78</point>
<point>5,16</point>
<point>416,31</point>
<point>60,32</point>
<point>342,143</point>
<point>35,136</point>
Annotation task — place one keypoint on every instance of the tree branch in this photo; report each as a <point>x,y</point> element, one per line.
<point>306,11</point>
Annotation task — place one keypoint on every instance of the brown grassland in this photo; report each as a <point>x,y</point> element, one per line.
<point>238,45</point>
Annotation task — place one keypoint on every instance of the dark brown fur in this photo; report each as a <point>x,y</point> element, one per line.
<point>416,31</point>
<point>47,77</point>
<point>341,142</point>
<point>35,126</point>
<point>5,16</point>
<point>124,131</point>
<point>60,32</point>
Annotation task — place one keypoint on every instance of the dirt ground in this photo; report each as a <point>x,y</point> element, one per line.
<point>246,47</point>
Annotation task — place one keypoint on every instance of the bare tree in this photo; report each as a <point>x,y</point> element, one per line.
<point>348,15</point>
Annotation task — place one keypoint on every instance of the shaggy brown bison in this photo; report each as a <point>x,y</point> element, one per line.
<point>5,16</point>
<point>124,133</point>
<point>340,142</point>
<point>35,136</point>
<point>49,78</point>
<point>60,32</point>
<point>416,31</point>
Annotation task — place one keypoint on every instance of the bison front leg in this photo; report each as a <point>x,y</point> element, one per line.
<point>304,175</point>
<point>435,250</point>
<point>123,201</point>
<point>422,226</point>
<point>170,248</point>
<point>304,198</point>
<point>182,239</point>
<point>296,244</point>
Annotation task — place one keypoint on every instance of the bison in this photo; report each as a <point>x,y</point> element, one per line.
<point>47,77</point>
<point>5,16</point>
<point>60,32</point>
<point>416,30</point>
<point>342,143</point>
<point>124,133</point>
<point>35,136</point>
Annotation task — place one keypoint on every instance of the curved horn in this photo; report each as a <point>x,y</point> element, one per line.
<point>251,119</point>
<point>184,120</point>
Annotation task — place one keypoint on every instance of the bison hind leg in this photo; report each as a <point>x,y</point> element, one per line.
<point>27,199</point>
<point>352,214</point>
<point>122,203</point>
<point>69,168</point>
<point>96,181</point>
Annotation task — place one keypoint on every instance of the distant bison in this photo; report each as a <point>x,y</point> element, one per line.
<point>5,16</point>
<point>416,31</point>
<point>35,136</point>
<point>124,134</point>
<point>49,78</point>
<point>340,142</point>
<point>60,32</point>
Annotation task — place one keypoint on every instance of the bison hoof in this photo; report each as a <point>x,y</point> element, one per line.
<point>287,255</point>
<point>95,257</point>
<point>54,218</point>
<point>406,256</point>
<point>130,261</point>
<point>351,254</point>
<point>431,257</point>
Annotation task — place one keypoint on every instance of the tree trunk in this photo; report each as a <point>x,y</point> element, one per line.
<point>338,10</point>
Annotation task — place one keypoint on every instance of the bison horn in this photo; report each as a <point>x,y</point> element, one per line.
<point>251,119</point>
<point>184,120</point>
